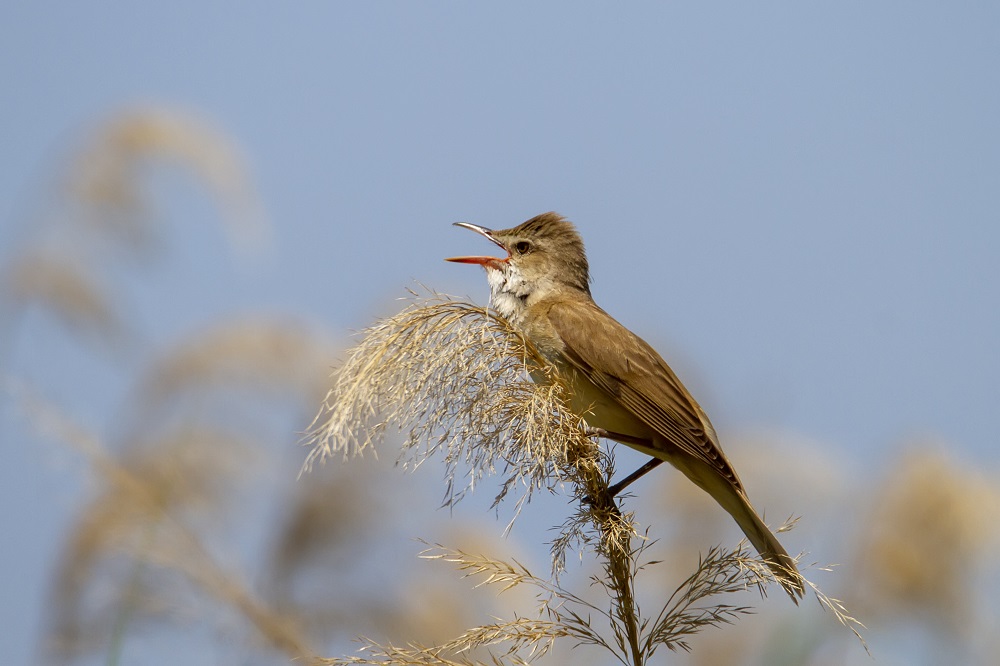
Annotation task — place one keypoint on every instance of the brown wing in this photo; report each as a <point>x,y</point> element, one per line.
<point>625,367</point>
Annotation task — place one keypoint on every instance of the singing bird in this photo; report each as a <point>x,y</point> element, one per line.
<point>621,387</point>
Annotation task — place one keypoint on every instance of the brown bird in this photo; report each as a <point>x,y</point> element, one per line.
<point>621,387</point>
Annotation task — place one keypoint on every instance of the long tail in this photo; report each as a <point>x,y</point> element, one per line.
<point>733,499</point>
<point>767,545</point>
<point>735,502</point>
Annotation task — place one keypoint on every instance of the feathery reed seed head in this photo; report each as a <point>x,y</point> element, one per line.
<point>455,378</point>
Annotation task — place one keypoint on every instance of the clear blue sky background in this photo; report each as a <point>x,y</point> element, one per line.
<point>798,204</point>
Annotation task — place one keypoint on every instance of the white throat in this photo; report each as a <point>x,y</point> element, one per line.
<point>508,292</point>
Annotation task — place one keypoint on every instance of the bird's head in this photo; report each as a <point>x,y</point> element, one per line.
<point>544,254</point>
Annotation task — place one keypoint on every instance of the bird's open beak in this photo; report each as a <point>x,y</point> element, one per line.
<point>490,262</point>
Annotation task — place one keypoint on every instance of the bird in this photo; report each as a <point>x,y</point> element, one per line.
<point>619,384</point>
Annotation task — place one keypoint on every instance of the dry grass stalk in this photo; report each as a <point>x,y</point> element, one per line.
<point>458,379</point>
<point>416,655</point>
<point>563,614</point>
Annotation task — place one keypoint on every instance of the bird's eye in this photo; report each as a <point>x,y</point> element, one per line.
<point>522,247</point>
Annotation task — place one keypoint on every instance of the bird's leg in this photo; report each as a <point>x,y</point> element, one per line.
<point>616,489</point>
<point>653,463</point>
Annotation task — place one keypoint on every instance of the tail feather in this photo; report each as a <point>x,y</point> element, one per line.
<point>763,540</point>
<point>771,551</point>
<point>735,502</point>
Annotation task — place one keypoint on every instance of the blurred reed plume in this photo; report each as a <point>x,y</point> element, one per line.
<point>109,172</point>
<point>105,209</point>
<point>180,510</point>
<point>65,287</point>
<point>145,550</point>
<point>460,380</point>
<point>211,375</point>
<point>136,555</point>
<point>191,437</point>
<point>934,526</point>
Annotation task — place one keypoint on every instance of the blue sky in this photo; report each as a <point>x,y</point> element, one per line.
<point>796,204</point>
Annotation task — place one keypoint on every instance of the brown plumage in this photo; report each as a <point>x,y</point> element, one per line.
<point>619,383</point>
